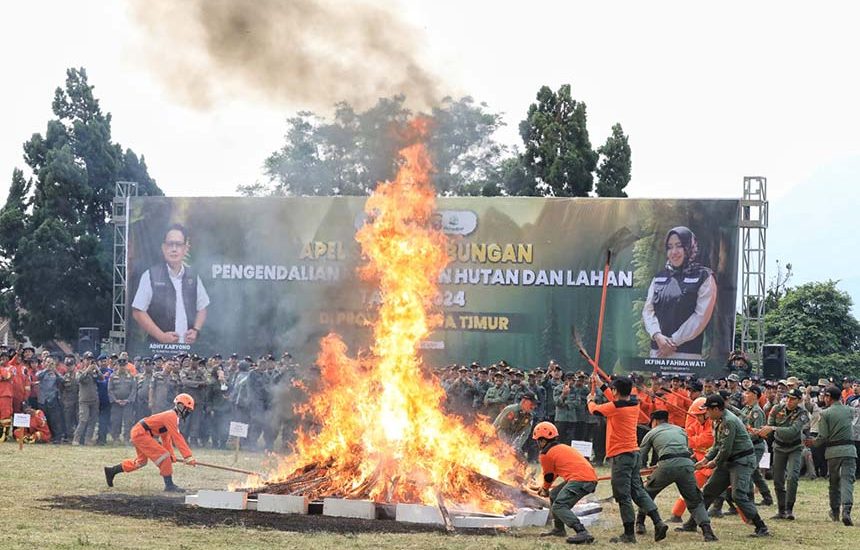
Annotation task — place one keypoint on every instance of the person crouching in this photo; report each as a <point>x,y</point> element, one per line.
<point>145,437</point>
<point>578,477</point>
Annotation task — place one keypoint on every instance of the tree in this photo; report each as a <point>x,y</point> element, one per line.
<point>613,174</point>
<point>814,319</point>
<point>815,323</point>
<point>558,152</point>
<point>356,150</point>
<point>56,244</point>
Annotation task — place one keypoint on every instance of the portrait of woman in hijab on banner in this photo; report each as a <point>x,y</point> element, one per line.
<point>681,300</point>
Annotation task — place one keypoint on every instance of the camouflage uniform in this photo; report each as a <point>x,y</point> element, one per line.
<point>122,391</point>
<point>194,381</point>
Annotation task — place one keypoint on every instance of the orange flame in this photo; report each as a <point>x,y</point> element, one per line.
<point>380,430</point>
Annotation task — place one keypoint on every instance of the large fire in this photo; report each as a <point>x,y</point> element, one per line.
<point>381,432</point>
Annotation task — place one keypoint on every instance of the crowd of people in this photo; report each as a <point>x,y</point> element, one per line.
<point>708,437</point>
<point>96,400</point>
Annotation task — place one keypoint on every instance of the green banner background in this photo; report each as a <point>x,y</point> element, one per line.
<point>306,285</point>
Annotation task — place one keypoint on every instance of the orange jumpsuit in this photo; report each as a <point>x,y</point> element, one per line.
<point>144,434</point>
<point>20,383</point>
<point>6,395</point>
<point>567,463</point>
<point>38,430</point>
<point>677,413</point>
<point>700,438</point>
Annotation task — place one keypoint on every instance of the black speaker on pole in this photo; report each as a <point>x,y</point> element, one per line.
<point>773,361</point>
<point>88,340</point>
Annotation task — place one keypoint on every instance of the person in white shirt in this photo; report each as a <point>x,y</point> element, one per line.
<point>680,301</point>
<point>171,301</point>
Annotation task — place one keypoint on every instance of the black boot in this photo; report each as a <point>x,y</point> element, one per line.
<point>760,527</point>
<point>780,514</point>
<point>766,500</point>
<point>688,527</point>
<point>660,528</point>
<point>834,514</point>
<point>846,516</point>
<point>640,523</point>
<point>708,533</point>
<point>582,536</point>
<point>556,531</point>
<point>627,536</point>
<point>789,512</point>
<point>111,472</point>
<point>716,510</point>
<point>171,487</point>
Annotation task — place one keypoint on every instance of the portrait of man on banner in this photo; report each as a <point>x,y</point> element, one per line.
<point>681,299</point>
<point>170,302</point>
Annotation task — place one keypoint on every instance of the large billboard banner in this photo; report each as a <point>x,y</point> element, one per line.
<point>268,275</point>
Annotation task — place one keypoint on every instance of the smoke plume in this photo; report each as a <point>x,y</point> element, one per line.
<point>308,53</point>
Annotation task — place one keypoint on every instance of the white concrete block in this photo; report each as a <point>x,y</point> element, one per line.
<point>482,522</point>
<point>191,500</point>
<point>418,513</point>
<point>226,500</point>
<point>344,508</point>
<point>282,504</point>
<point>530,517</point>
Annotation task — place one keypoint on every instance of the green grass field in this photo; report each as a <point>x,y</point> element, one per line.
<point>33,479</point>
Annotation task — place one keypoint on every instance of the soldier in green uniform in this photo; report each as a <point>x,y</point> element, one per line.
<point>736,395</point>
<point>834,433</point>
<point>753,417</point>
<point>122,392</point>
<point>733,460</point>
<point>514,422</point>
<point>565,399</point>
<point>164,387</point>
<point>194,380</point>
<point>674,465</point>
<point>69,399</point>
<point>497,396</point>
<point>580,406</point>
<point>144,382</point>
<point>786,422</point>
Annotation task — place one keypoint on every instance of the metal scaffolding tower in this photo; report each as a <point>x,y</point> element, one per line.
<point>119,218</point>
<point>753,224</point>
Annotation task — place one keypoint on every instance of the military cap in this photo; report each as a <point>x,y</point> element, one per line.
<point>234,356</point>
<point>217,356</point>
<point>580,374</point>
<point>695,385</point>
<point>792,380</point>
<point>733,378</point>
<point>475,365</point>
<point>795,393</point>
<point>569,374</point>
<point>31,348</point>
<point>782,383</point>
<point>714,401</point>
<point>157,357</point>
<point>530,396</point>
<point>756,390</point>
<point>463,369</point>
<point>114,356</point>
<point>102,357</point>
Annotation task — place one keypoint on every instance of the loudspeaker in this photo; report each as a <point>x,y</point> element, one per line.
<point>88,340</point>
<point>773,361</point>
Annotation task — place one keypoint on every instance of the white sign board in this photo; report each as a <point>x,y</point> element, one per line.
<point>583,447</point>
<point>21,421</point>
<point>238,429</point>
<point>765,461</point>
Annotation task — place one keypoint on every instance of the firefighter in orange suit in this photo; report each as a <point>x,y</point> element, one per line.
<point>38,432</point>
<point>700,436</point>
<point>6,396</point>
<point>145,437</point>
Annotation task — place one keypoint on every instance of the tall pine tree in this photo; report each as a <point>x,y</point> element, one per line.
<point>613,174</point>
<point>57,257</point>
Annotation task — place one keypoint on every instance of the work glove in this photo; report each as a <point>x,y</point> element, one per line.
<point>191,461</point>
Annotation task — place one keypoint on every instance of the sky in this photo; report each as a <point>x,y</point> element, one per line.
<point>707,95</point>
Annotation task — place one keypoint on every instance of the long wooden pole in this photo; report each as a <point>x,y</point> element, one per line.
<point>602,307</point>
<point>229,469</point>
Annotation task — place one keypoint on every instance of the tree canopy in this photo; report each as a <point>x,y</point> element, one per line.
<point>56,244</point>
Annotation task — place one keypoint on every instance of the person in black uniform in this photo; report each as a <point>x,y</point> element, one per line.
<point>680,300</point>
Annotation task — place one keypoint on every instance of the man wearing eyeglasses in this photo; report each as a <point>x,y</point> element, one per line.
<point>170,303</point>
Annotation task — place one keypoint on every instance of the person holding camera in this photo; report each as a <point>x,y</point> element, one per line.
<point>87,378</point>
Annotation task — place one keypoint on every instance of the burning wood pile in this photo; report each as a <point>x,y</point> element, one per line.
<point>381,433</point>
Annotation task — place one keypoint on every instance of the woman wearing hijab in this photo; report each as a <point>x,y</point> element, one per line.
<point>680,301</point>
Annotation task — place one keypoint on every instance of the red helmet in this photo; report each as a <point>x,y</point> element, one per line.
<point>546,430</point>
<point>186,400</point>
